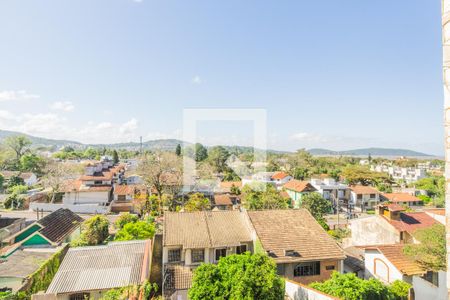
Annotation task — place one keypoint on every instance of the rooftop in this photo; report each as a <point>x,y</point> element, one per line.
<point>59,224</point>
<point>283,230</point>
<point>114,265</point>
<point>299,186</point>
<point>24,262</point>
<point>412,221</point>
<point>279,175</point>
<point>400,197</point>
<point>362,189</point>
<point>205,229</point>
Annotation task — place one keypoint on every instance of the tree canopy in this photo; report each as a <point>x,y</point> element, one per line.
<point>197,202</point>
<point>94,232</point>
<point>263,197</point>
<point>317,206</point>
<point>138,230</point>
<point>246,276</point>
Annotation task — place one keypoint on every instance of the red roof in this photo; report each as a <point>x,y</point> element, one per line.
<point>222,199</point>
<point>124,189</point>
<point>279,175</point>
<point>299,186</point>
<point>394,207</point>
<point>400,197</point>
<point>362,189</point>
<point>410,222</point>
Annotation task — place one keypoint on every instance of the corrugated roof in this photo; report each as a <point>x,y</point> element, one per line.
<point>296,230</point>
<point>205,229</point>
<point>114,265</point>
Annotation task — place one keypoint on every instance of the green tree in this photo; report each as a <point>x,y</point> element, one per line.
<point>263,197</point>
<point>200,152</point>
<point>350,287</point>
<point>94,232</point>
<point>32,163</point>
<point>430,252</point>
<point>400,289</point>
<point>20,144</point>
<point>246,276</point>
<point>178,150</point>
<point>197,202</point>
<point>217,156</point>
<point>317,206</point>
<point>363,175</point>
<point>115,156</point>
<point>234,190</point>
<point>124,219</point>
<point>140,230</point>
<point>2,181</point>
<point>15,180</point>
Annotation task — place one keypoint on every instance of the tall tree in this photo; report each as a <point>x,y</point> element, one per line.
<point>218,156</point>
<point>200,152</point>
<point>115,156</point>
<point>94,231</point>
<point>57,174</point>
<point>20,144</point>
<point>317,206</point>
<point>197,202</point>
<point>178,150</point>
<point>446,77</point>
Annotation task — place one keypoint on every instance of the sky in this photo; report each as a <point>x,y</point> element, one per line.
<point>329,74</point>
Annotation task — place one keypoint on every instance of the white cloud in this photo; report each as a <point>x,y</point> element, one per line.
<point>197,80</point>
<point>129,127</point>
<point>62,106</point>
<point>16,95</point>
<point>309,137</point>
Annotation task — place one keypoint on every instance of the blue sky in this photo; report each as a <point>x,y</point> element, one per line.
<point>334,74</point>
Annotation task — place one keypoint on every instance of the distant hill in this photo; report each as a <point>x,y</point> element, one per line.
<point>366,151</point>
<point>38,141</point>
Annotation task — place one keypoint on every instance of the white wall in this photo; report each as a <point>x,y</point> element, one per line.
<point>372,231</point>
<point>86,197</point>
<point>426,290</point>
<point>76,208</point>
<point>385,270</point>
<point>298,291</point>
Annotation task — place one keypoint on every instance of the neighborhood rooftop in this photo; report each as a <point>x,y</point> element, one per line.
<point>114,265</point>
<point>58,224</point>
<point>296,231</point>
<point>205,229</point>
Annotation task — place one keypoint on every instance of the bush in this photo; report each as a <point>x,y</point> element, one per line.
<point>400,289</point>
<point>124,219</point>
<point>139,230</point>
<point>95,231</point>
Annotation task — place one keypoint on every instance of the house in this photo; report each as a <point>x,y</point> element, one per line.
<point>301,248</point>
<point>332,190</point>
<point>192,238</point>
<point>363,198</point>
<point>226,186</point>
<point>390,225</point>
<point>88,272</point>
<point>409,175</point>
<point>58,227</point>
<point>389,263</point>
<point>296,189</point>
<point>125,195</point>
<point>354,261</point>
<point>10,226</point>
<point>15,269</point>
<point>226,201</point>
<point>280,178</point>
<point>277,179</point>
<point>29,178</point>
<point>436,213</point>
<point>402,199</point>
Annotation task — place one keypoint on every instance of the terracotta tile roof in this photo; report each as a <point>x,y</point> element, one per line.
<point>410,222</point>
<point>293,229</point>
<point>362,189</point>
<point>9,174</point>
<point>71,186</point>
<point>394,207</point>
<point>400,197</point>
<point>222,199</point>
<point>299,186</point>
<point>279,175</point>
<point>205,229</point>
<point>437,211</point>
<point>104,175</point>
<point>59,224</point>
<point>124,189</point>
<point>229,184</point>
<point>394,253</point>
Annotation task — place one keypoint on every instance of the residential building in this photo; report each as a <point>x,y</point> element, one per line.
<point>15,269</point>
<point>390,225</point>
<point>10,226</point>
<point>389,263</point>
<point>280,178</point>
<point>296,189</point>
<point>412,191</point>
<point>363,198</point>
<point>409,175</point>
<point>226,201</point>
<point>58,227</point>
<point>301,248</point>
<point>88,272</point>
<point>402,199</point>
<point>354,261</point>
<point>192,238</point>
<point>226,186</point>
<point>126,195</point>
<point>338,193</point>
<point>29,178</point>
<point>277,179</point>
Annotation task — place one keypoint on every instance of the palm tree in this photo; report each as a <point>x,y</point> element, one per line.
<point>446,70</point>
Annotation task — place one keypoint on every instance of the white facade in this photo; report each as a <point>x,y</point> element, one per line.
<point>407,174</point>
<point>32,180</point>
<point>361,202</point>
<point>326,187</point>
<point>372,231</point>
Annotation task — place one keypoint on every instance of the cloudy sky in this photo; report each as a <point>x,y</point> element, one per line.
<point>332,74</point>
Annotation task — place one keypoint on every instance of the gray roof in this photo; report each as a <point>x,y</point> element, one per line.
<point>206,229</point>
<point>114,265</point>
<point>24,262</point>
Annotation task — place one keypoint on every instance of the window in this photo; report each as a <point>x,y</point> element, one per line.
<point>307,269</point>
<point>121,198</point>
<point>372,196</point>
<point>328,268</point>
<point>281,269</point>
<point>221,253</point>
<point>241,249</point>
<point>98,182</point>
<point>432,277</point>
<point>174,255</point>
<point>198,255</point>
<point>80,296</point>
<point>359,196</point>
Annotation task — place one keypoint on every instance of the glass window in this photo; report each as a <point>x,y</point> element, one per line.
<point>359,197</point>
<point>221,253</point>
<point>198,255</point>
<point>80,296</point>
<point>281,269</point>
<point>307,269</point>
<point>241,249</point>
<point>174,255</point>
<point>372,196</point>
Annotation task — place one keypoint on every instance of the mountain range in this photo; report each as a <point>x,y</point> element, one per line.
<point>170,145</point>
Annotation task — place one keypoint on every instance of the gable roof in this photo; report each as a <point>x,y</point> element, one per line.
<point>59,224</point>
<point>400,197</point>
<point>299,186</point>
<point>293,229</point>
<point>222,199</point>
<point>394,253</point>
<point>205,229</point>
<point>114,265</point>
<point>364,190</point>
<point>412,221</point>
<point>124,189</point>
<point>279,175</point>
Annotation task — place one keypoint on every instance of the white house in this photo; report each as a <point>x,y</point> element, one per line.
<point>364,197</point>
<point>407,174</point>
<point>388,263</point>
<point>331,190</point>
<point>29,178</point>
